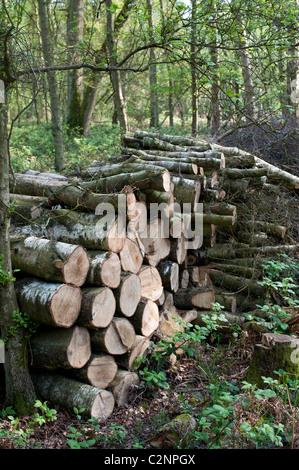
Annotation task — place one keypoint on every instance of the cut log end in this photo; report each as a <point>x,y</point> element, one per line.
<point>65,305</point>
<point>103,405</point>
<point>111,271</point>
<point>76,268</point>
<point>79,349</point>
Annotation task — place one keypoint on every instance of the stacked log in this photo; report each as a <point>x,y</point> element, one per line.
<point>103,275</point>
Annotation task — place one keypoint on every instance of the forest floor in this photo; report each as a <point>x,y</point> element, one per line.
<point>209,388</point>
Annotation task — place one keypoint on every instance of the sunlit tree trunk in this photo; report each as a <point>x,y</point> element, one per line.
<point>215,107</point>
<point>53,89</point>
<point>75,26</point>
<point>154,106</point>
<point>249,92</point>
<point>194,84</point>
<point>115,75</point>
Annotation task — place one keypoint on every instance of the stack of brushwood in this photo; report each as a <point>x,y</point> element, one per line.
<point>103,271</point>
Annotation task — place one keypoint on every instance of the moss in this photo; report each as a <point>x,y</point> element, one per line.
<point>21,405</point>
<point>267,360</point>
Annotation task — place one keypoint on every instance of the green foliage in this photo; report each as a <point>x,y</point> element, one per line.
<point>6,278</point>
<point>281,282</point>
<point>20,433</point>
<point>32,147</point>
<point>21,321</point>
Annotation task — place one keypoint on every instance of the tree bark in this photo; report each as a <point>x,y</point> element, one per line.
<point>75,25</point>
<point>50,260</point>
<point>19,390</point>
<point>61,348</point>
<point>69,394</point>
<point>97,308</point>
<point>53,89</point>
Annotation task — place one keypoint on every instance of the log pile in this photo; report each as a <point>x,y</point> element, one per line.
<point>102,273</point>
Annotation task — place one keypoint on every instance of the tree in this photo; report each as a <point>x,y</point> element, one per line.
<point>19,388</point>
<point>53,89</point>
<point>75,25</point>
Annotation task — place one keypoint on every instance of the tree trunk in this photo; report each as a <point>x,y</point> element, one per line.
<point>154,110</point>
<point>115,75</point>
<point>75,24</point>
<point>139,349</point>
<point>194,85</point>
<point>53,89</point>
<point>19,389</point>
<point>199,297</point>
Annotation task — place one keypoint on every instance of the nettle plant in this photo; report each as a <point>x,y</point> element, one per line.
<point>281,283</point>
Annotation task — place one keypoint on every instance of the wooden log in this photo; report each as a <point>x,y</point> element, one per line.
<point>69,394</point>
<point>175,431</point>
<point>225,325</point>
<point>236,283</point>
<point>24,200</point>
<point>214,194</point>
<point>275,351</point>
<point>275,174</point>
<point>25,214</point>
<point>228,300</point>
<point>243,271</point>
<point>52,304</point>
<point>238,173</point>
<point>175,140</point>
<point>239,161</point>
<point>95,232</point>
<point>215,219</point>
<point>59,348</point>
<point>146,317</point>
<point>123,386</point>
<point>181,167</point>
<point>97,308</point>
<point>127,294</point>
<point>239,250</point>
<point>199,297</point>
<point>104,270</point>
<point>158,179</point>
<point>155,241</point>
<point>184,279</point>
<point>50,260</point>
<point>207,163</point>
<point>116,339</point>
<point>169,272</point>
<point>186,191</point>
<point>178,250</point>
<point>273,229</point>
<point>140,347</point>
<point>151,282</point>
<point>99,371</point>
<point>221,208</point>
<point>131,255</point>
